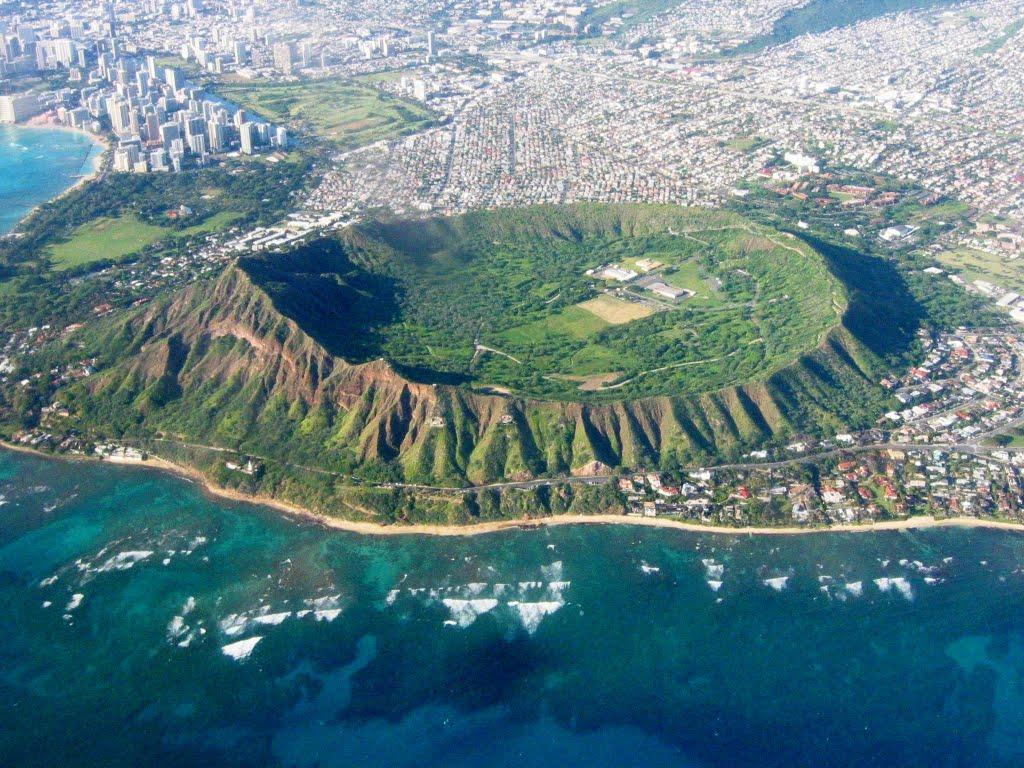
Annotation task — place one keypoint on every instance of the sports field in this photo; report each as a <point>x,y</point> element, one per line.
<point>615,311</point>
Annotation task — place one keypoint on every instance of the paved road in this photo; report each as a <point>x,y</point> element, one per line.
<point>973,448</point>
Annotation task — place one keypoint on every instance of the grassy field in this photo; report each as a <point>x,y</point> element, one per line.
<point>633,12</point>
<point>971,265</point>
<point>108,238</point>
<point>615,311</point>
<point>388,76</point>
<point>919,215</point>
<point>104,238</point>
<point>190,69</point>
<point>688,277</point>
<point>1013,438</point>
<point>746,143</point>
<point>575,322</point>
<point>214,223</point>
<point>347,115</point>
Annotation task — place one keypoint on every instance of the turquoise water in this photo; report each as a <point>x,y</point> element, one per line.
<point>570,646</point>
<point>36,165</point>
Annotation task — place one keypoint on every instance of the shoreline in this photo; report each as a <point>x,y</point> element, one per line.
<point>45,122</point>
<point>525,524</point>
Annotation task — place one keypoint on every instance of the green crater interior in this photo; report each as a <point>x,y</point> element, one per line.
<point>501,299</point>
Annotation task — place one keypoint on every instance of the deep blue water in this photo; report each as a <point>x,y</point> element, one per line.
<point>36,165</point>
<point>587,646</point>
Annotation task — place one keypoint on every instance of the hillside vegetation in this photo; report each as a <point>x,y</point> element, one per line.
<point>255,364</point>
<point>502,299</point>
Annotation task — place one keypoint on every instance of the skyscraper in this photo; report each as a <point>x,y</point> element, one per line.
<point>218,136</point>
<point>284,57</point>
<point>247,138</point>
<point>169,133</point>
<point>120,116</point>
<point>19,107</point>
<point>173,78</point>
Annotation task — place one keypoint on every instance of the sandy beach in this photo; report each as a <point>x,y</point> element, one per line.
<point>479,529</point>
<point>48,121</point>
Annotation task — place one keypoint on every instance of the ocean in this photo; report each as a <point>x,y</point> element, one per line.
<point>37,164</point>
<point>145,623</point>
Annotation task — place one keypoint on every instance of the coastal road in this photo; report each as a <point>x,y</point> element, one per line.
<point>969,448</point>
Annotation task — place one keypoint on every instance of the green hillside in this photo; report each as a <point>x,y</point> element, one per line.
<point>296,358</point>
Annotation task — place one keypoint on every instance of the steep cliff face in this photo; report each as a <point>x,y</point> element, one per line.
<point>220,363</point>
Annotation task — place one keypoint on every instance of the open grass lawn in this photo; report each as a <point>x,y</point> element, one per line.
<point>1009,32</point>
<point>575,322</point>
<point>688,277</point>
<point>615,311</point>
<point>971,265</point>
<point>104,238</point>
<point>113,238</point>
<point>746,143</point>
<point>213,223</point>
<point>387,76</point>
<point>919,215</point>
<point>346,114</point>
<point>1013,438</point>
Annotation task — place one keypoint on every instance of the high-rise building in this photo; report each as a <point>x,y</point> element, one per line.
<point>247,138</point>
<point>51,54</point>
<point>431,45</point>
<point>120,116</point>
<point>169,133</point>
<point>19,106</point>
<point>195,126</point>
<point>153,126</point>
<point>126,158</point>
<point>158,160</point>
<point>284,57</point>
<point>173,78</point>
<point>197,144</point>
<point>218,136</point>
